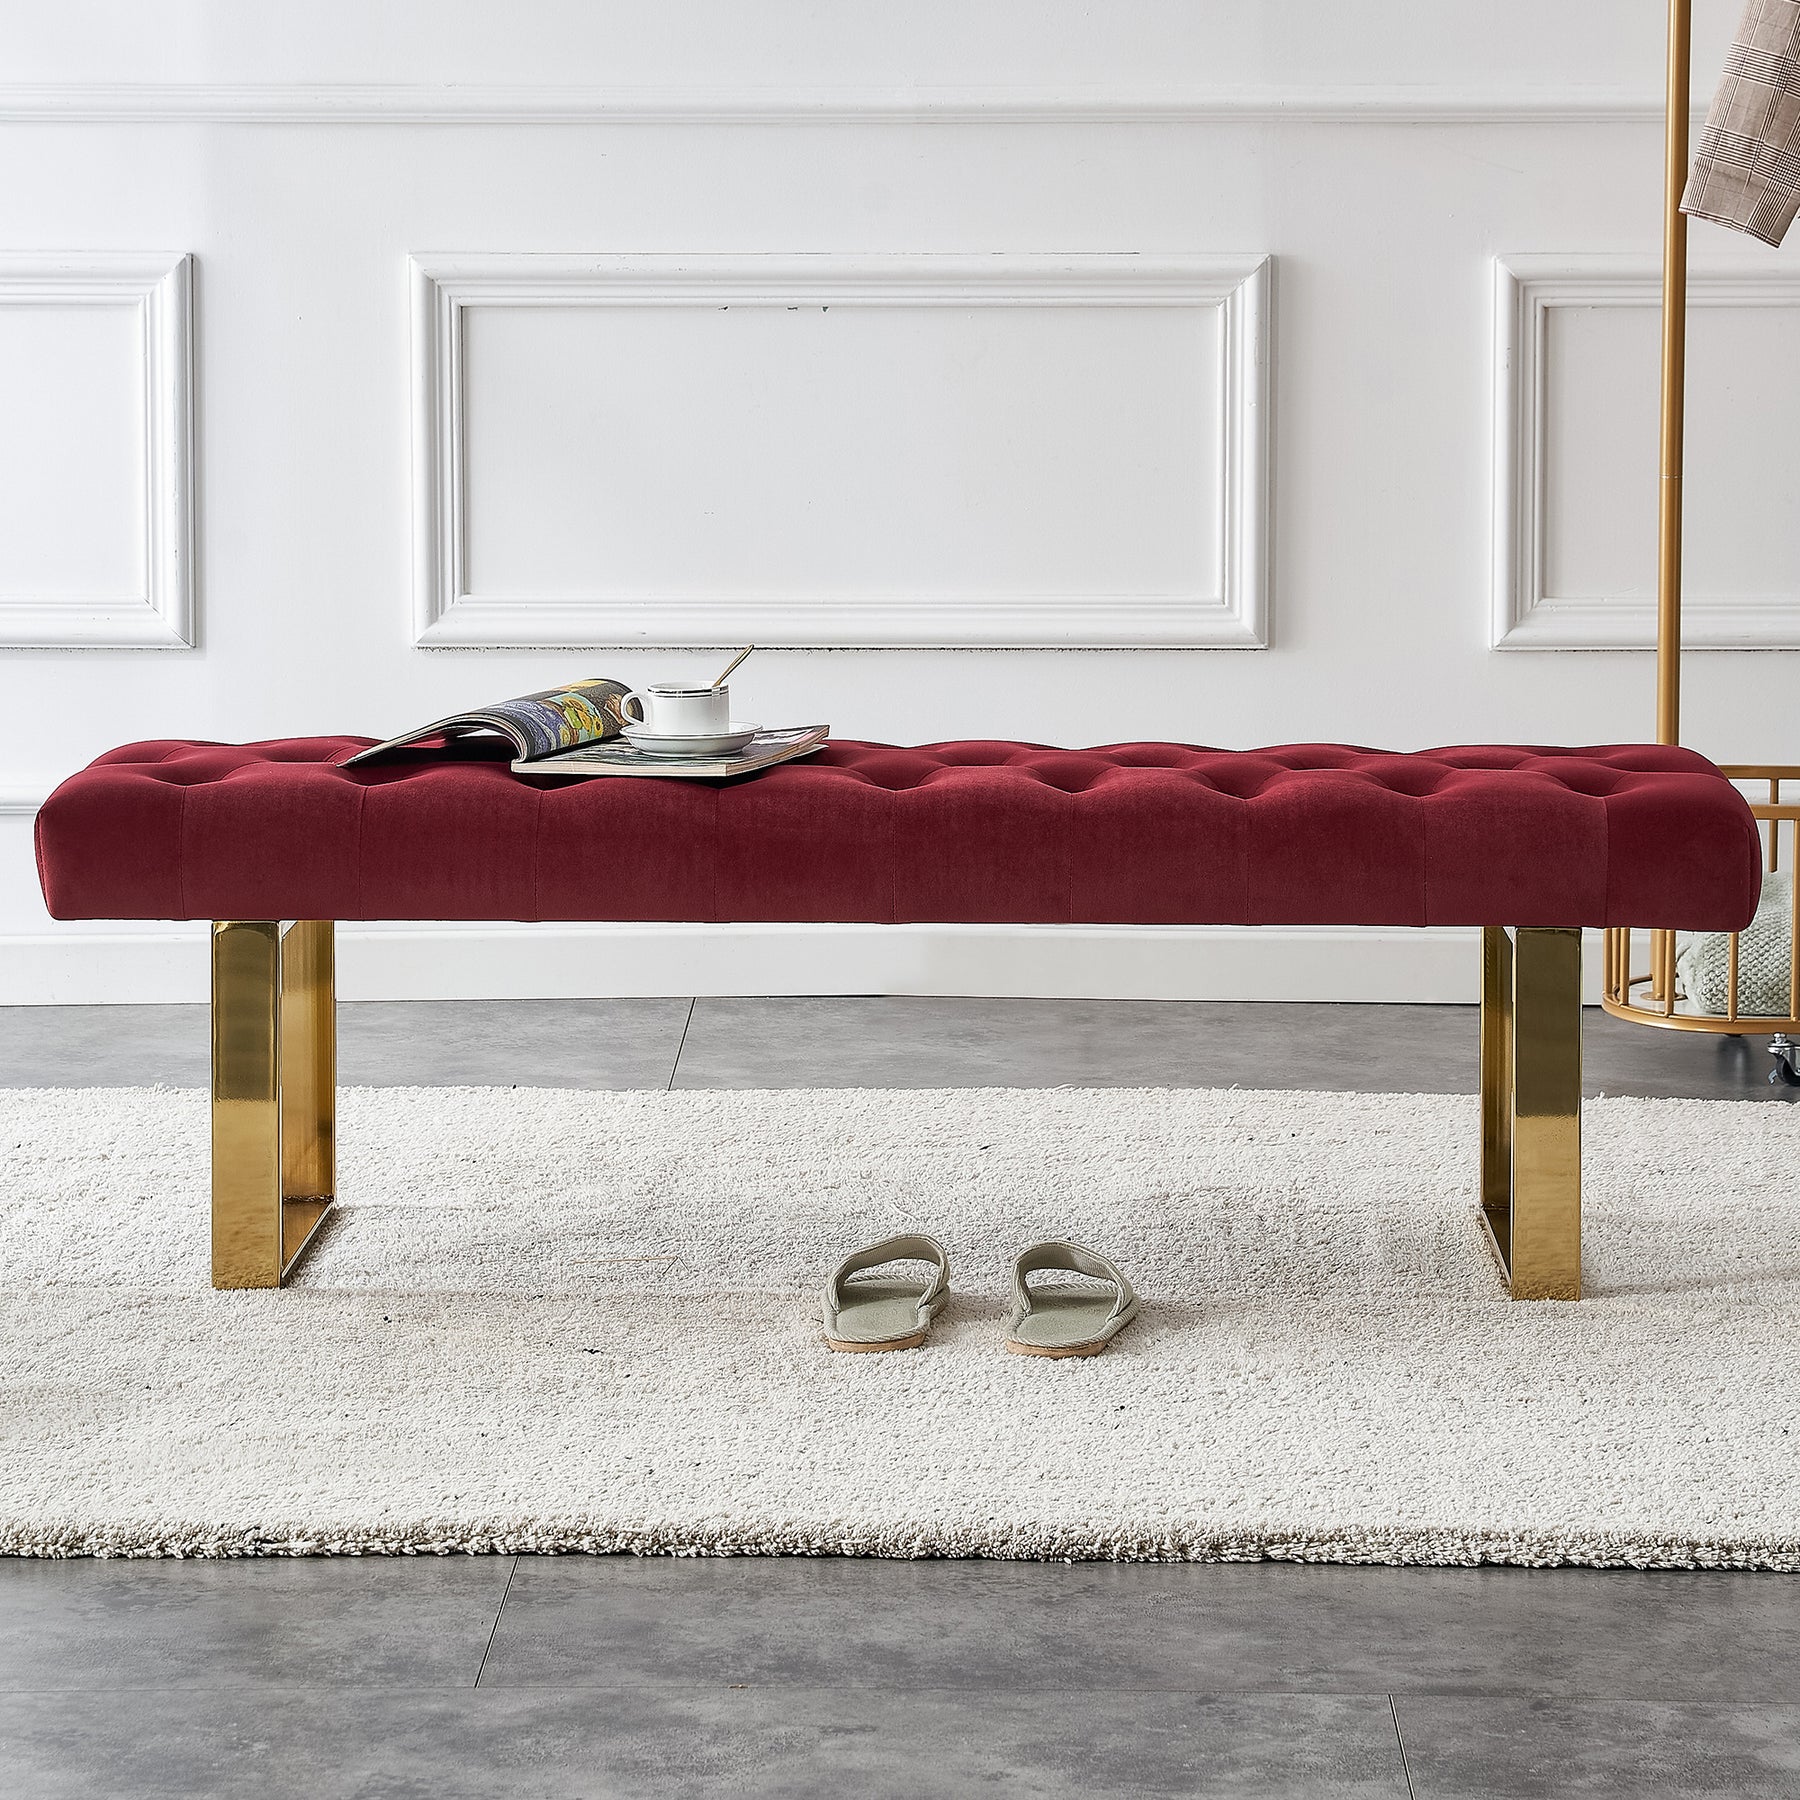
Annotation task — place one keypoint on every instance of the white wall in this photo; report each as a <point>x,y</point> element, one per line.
<point>1050,201</point>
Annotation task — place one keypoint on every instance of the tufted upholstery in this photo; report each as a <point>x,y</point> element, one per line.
<point>1159,834</point>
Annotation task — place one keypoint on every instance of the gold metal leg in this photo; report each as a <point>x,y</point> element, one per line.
<point>1531,1108</point>
<point>1496,1085</point>
<point>308,1082</point>
<point>274,1060</point>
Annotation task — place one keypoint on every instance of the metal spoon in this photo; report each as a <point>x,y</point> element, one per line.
<point>719,680</point>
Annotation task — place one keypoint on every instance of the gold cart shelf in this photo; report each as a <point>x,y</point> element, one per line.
<point>1650,997</point>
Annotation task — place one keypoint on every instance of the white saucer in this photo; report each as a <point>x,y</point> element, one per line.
<point>716,743</point>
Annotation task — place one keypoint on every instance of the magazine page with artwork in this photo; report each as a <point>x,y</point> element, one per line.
<point>537,725</point>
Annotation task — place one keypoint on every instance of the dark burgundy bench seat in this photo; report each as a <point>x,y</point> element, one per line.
<point>274,842</point>
<point>1144,834</point>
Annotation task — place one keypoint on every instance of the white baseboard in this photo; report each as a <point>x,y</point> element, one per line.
<point>477,962</point>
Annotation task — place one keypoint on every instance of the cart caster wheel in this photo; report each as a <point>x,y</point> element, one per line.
<point>1784,1074</point>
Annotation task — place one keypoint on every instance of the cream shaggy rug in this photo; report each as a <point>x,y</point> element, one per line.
<point>559,1320</point>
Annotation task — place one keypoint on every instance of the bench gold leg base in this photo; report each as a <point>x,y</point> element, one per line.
<point>274,1096</point>
<point>1531,1108</point>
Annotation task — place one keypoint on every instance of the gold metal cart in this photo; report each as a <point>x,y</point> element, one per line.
<point>1648,994</point>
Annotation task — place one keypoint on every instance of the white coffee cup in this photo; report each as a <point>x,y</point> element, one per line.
<point>679,709</point>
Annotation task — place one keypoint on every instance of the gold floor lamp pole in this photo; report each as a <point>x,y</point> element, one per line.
<point>1674,376</point>
<point>1676,105</point>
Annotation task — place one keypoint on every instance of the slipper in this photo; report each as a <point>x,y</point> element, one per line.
<point>890,1313</point>
<point>1067,1321</point>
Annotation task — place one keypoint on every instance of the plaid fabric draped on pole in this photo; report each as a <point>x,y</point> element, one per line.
<point>1747,171</point>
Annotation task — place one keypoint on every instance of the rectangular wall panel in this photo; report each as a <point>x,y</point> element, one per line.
<point>96,534</point>
<point>840,451</point>
<point>1577,364</point>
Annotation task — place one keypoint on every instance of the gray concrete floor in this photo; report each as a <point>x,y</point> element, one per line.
<point>879,1042</point>
<point>548,1676</point>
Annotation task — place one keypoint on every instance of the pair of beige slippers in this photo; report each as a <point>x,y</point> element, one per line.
<point>866,1307</point>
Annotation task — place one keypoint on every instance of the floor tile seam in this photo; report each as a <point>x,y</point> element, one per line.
<point>1559,1695</point>
<point>1394,1698</point>
<point>1560,1698</point>
<point>687,1022</point>
<point>499,1614</point>
<point>973,1689</point>
<point>239,1688</point>
<point>1400,1745</point>
<point>974,1692</point>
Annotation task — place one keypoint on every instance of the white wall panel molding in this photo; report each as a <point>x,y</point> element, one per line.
<point>474,104</point>
<point>154,608</point>
<point>1527,614</point>
<point>20,798</point>
<point>1200,536</point>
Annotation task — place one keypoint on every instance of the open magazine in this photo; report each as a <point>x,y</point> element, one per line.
<point>574,730</point>
<point>564,718</point>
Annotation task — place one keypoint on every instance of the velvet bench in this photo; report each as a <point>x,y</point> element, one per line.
<point>274,842</point>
